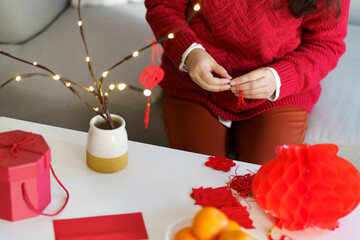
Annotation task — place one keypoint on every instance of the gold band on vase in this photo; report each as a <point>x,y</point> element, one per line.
<point>106,165</point>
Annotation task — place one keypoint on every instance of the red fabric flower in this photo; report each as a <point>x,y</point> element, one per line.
<point>220,163</point>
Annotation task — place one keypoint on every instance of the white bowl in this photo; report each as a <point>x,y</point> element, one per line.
<point>177,226</point>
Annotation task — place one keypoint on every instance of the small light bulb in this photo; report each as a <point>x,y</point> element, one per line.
<point>56,77</point>
<point>18,78</point>
<point>147,92</point>
<point>68,84</point>
<point>171,36</point>
<point>135,54</point>
<point>79,23</point>
<point>35,63</point>
<point>87,59</point>
<point>104,74</point>
<point>91,88</point>
<point>112,86</point>
<point>96,109</point>
<point>122,86</point>
<point>106,94</point>
<point>197,7</point>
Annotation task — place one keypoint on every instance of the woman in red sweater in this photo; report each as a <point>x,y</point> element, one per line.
<point>274,53</point>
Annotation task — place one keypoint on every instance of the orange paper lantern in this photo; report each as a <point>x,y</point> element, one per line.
<point>307,186</point>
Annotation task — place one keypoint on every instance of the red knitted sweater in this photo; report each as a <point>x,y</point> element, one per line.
<point>243,36</point>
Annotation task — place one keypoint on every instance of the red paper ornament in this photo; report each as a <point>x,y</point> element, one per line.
<point>151,76</point>
<point>307,186</point>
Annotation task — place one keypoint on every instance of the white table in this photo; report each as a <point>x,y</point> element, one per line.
<point>156,182</point>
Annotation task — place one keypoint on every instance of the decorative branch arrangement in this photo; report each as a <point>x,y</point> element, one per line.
<point>96,89</point>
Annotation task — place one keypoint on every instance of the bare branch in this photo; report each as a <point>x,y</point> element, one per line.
<point>160,40</point>
<point>97,91</point>
<point>63,80</point>
<point>82,32</point>
<point>34,64</point>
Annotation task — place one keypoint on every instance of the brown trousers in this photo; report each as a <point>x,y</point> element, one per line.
<point>190,126</point>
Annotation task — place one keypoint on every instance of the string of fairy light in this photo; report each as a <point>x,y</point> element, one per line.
<point>97,88</point>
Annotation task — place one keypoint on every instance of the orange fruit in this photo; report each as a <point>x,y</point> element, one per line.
<point>234,225</point>
<point>235,235</point>
<point>185,234</point>
<point>209,222</point>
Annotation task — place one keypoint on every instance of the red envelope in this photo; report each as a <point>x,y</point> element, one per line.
<point>124,226</point>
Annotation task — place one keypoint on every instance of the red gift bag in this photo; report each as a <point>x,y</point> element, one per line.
<point>24,175</point>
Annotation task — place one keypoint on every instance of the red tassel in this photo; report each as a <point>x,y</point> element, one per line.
<point>200,196</point>
<point>223,199</point>
<point>241,100</point>
<point>147,112</point>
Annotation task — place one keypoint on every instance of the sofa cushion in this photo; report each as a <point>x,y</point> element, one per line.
<point>74,3</point>
<point>21,20</point>
<point>354,14</point>
<point>336,116</point>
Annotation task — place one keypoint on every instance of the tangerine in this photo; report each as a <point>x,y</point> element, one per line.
<point>234,225</point>
<point>209,222</point>
<point>235,235</point>
<point>185,234</point>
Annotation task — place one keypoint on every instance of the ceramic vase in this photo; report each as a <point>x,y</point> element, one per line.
<point>107,149</point>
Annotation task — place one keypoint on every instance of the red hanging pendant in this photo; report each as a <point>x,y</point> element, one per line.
<point>151,76</point>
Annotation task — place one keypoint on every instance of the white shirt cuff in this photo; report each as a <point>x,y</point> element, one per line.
<point>182,66</point>
<point>276,94</point>
<point>225,122</point>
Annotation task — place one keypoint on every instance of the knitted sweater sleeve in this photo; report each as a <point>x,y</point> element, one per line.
<point>165,16</point>
<point>321,47</point>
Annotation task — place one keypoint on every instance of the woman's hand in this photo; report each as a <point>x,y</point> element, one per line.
<point>201,67</point>
<point>257,84</point>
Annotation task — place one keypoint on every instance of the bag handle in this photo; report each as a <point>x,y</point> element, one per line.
<point>27,200</point>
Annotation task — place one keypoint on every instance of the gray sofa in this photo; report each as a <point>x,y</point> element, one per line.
<point>336,116</point>
<point>114,32</point>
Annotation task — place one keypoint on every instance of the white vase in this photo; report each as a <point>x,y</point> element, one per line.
<point>107,149</point>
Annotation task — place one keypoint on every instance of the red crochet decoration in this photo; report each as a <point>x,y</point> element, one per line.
<point>220,163</point>
<point>242,184</point>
